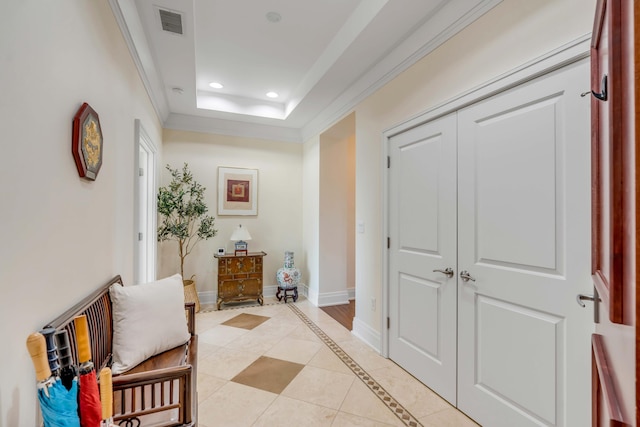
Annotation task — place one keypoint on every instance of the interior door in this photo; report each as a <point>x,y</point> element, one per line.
<point>422,255</point>
<point>524,244</point>
<point>614,247</point>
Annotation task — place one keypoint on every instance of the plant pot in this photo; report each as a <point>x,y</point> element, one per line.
<point>190,291</point>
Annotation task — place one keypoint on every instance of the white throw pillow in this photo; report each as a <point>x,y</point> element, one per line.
<point>147,320</point>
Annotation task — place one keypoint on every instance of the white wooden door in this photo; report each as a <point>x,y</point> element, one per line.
<point>422,225</point>
<point>524,236</point>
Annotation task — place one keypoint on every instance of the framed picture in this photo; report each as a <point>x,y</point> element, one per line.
<point>237,191</point>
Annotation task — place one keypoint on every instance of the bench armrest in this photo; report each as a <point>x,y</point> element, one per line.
<point>151,377</point>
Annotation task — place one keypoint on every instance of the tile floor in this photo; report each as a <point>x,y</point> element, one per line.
<point>279,365</point>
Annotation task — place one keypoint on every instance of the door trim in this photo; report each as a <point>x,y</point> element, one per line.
<point>567,54</point>
<point>144,141</point>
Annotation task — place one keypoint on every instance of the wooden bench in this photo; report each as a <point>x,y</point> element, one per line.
<point>160,391</point>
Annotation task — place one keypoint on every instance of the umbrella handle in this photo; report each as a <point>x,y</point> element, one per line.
<point>38,350</point>
<point>106,394</point>
<point>82,338</point>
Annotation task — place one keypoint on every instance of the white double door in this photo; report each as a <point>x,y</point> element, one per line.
<point>499,190</point>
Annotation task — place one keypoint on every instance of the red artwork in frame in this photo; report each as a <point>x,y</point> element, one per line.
<point>237,190</point>
<point>86,144</point>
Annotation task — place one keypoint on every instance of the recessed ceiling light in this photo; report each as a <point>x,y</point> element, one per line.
<point>272,94</point>
<point>216,85</point>
<point>273,17</point>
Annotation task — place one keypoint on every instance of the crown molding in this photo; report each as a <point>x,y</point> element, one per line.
<point>232,128</point>
<point>131,28</point>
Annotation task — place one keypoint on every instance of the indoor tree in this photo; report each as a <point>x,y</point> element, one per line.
<point>183,213</point>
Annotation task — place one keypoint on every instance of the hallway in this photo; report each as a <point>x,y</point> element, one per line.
<point>294,365</point>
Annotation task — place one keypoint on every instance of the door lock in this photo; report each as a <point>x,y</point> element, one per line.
<point>447,271</point>
<point>465,276</point>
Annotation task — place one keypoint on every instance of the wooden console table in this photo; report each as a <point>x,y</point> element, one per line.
<point>240,277</point>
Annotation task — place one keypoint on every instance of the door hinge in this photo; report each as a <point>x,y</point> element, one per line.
<point>140,172</point>
<point>388,162</point>
<point>140,237</point>
<point>388,323</point>
<point>388,242</point>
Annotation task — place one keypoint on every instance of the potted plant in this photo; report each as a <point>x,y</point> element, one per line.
<point>183,215</point>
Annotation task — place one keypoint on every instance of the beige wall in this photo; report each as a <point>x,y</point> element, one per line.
<point>513,33</point>
<point>277,227</point>
<point>311,214</point>
<point>62,236</point>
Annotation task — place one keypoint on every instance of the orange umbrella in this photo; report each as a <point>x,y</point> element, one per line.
<point>106,397</point>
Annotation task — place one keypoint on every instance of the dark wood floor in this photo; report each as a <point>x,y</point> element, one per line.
<point>344,314</point>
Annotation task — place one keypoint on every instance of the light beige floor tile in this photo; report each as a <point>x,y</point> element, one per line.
<point>344,419</point>
<point>281,325</point>
<point>234,405</point>
<point>335,330</point>
<point>221,335</point>
<point>362,402</point>
<point>287,412</point>
<point>409,392</point>
<point>365,356</point>
<point>299,351</point>
<point>205,349</point>
<point>255,342</point>
<point>302,332</point>
<point>207,385</point>
<point>327,359</point>
<point>320,387</point>
<point>447,418</point>
<point>226,363</point>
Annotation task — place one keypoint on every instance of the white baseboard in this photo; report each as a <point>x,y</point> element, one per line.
<point>367,334</point>
<point>352,293</point>
<point>207,297</point>
<point>333,298</point>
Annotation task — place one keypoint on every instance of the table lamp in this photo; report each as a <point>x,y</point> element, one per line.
<point>239,235</point>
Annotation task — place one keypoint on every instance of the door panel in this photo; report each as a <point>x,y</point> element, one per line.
<point>524,236</point>
<point>422,221</point>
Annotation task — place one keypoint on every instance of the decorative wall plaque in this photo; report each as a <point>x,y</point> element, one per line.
<point>86,145</point>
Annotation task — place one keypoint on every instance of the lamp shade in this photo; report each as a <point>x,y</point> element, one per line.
<point>240,233</point>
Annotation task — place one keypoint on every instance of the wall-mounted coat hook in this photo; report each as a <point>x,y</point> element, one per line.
<point>603,95</point>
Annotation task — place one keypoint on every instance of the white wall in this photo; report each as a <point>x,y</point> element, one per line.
<point>62,237</point>
<point>511,34</point>
<point>277,227</point>
<point>311,217</point>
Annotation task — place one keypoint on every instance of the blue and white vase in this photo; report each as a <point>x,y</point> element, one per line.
<point>288,276</point>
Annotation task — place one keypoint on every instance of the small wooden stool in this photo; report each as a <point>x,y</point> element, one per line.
<point>290,292</point>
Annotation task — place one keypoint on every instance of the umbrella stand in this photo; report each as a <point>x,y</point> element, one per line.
<point>89,398</point>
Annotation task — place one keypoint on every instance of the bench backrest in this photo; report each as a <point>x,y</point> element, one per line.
<point>97,308</point>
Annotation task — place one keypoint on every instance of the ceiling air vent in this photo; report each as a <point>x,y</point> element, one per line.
<point>171,21</point>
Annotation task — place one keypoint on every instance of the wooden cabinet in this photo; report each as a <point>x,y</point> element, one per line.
<point>240,277</point>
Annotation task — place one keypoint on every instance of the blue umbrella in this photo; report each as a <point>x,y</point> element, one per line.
<point>60,408</point>
<point>58,404</point>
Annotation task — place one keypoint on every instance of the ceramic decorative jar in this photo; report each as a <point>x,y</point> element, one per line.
<point>288,276</point>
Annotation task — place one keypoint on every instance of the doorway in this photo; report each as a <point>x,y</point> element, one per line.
<point>145,205</point>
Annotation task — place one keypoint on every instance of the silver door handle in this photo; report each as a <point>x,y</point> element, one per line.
<point>583,297</point>
<point>448,272</point>
<point>465,276</point>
